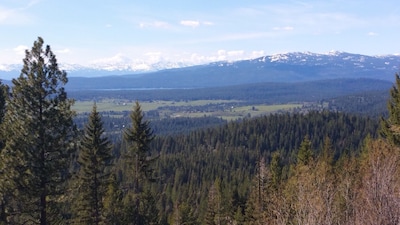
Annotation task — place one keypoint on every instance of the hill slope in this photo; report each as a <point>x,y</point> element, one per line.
<point>290,67</point>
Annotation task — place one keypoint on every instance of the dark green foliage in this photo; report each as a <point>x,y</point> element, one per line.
<point>3,97</point>
<point>184,125</point>
<point>390,127</point>
<point>371,103</point>
<point>137,170</point>
<point>140,208</point>
<point>39,135</point>
<point>93,175</point>
<point>189,164</point>
<point>148,210</point>
<point>113,202</point>
<point>3,195</point>
<point>305,154</point>
<point>185,214</point>
<point>257,200</point>
<point>275,168</point>
<point>138,138</point>
<point>215,212</point>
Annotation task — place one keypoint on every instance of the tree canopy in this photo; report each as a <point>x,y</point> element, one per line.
<point>39,133</point>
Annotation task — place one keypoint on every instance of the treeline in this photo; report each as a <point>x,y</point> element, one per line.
<point>314,168</point>
<point>114,123</point>
<point>372,104</point>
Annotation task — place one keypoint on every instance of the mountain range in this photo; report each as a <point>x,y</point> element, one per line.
<point>288,67</point>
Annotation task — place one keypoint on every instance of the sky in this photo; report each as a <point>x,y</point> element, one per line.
<point>100,31</point>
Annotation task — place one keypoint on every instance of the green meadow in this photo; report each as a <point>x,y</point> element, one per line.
<point>183,108</point>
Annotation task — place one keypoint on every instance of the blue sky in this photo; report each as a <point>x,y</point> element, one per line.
<point>90,31</point>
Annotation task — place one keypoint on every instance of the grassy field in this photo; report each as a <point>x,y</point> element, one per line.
<point>229,113</point>
<point>240,112</point>
<point>121,105</point>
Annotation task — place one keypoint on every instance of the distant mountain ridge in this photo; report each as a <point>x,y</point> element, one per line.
<point>288,67</point>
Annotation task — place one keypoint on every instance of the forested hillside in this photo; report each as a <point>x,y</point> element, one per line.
<point>190,164</point>
<point>256,92</point>
<point>310,167</point>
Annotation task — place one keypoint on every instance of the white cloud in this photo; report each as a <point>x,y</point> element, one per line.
<point>221,52</point>
<point>235,53</point>
<point>118,58</point>
<point>190,23</point>
<point>256,54</point>
<point>155,24</point>
<point>195,23</point>
<point>223,55</point>
<point>153,56</point>
<point>372,34</point>
<point>20,49</point>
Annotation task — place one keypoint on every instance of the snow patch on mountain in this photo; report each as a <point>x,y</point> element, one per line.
<point>120,64</point>
<point>278,57</point>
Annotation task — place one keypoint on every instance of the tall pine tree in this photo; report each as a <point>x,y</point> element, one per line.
<point>39,135</point>
<point>93,176</point>
<point>138,165</point>
<point>3,96</point>
<point>390,127</point>
<point>3,193</point>
<point>305,153</point>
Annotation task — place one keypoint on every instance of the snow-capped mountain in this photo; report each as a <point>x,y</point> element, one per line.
<point>336,58</point>
<point>287,67</point>
<point>124,63</point>
<point>333,59</point>
<point>115,66</point>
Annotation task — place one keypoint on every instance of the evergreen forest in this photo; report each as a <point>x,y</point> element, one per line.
<point>315,167</point>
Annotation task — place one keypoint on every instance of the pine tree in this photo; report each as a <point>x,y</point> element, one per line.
<point>256,202</point>
<point>390,127</point>
<point>3,96</point>
<point>300,188</point>
<point>277,209</point>
<point>305,154</point>
<point>275,168</point>
<point>39,135</point>
<point>214,205</point>
<point>113,202</point>
<point>93,176</point>
<point>138,138</point>
<point>325,182</point>
<point>186,215</point>
<point>3,194</point>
